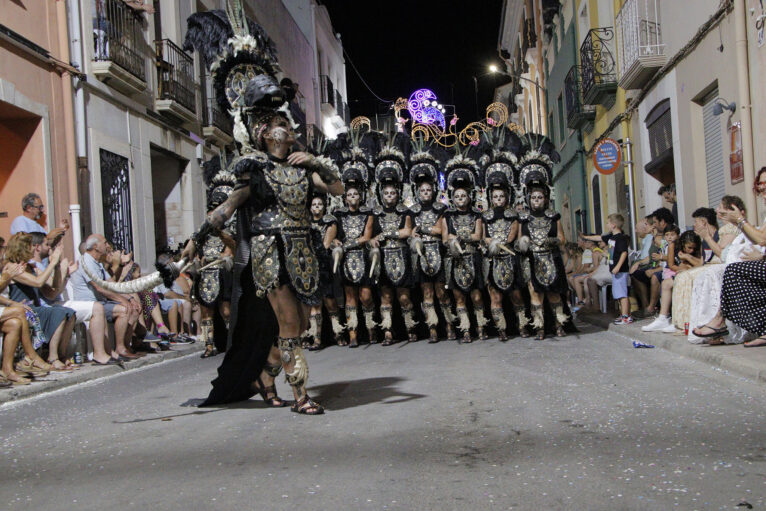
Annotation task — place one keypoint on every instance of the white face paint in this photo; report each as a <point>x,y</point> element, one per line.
<point>537,200</point>
<point>426,192</point>
<point>460,198</point>
<point>390,196</point>
<point>352,197</point>
<point>498,198</point>
<point>280,135</point>
<point>317,207</point>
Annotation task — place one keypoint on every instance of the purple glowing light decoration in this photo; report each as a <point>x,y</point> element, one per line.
<point>422,113</point>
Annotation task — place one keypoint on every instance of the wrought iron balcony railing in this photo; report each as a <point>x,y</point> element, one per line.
<point>327,90</point>
<point>640,49</point>
<point>529,37</point>
<point>598,66</point>
<point>117,35</point>
<point>579,115</point>
<point>213,116</point>
<point>175,74</point>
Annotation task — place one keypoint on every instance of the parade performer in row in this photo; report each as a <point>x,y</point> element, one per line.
<point>325,226</point>
<point>276,265</point>
<point>541,237</point>
<point>353,232</point>
<point>462,232</point>
<point>392,226</point>
<point>500,228</point>
<point>213,284</point>
<point>426,240</point>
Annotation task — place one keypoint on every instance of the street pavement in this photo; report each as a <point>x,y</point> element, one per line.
<point>585,422</point>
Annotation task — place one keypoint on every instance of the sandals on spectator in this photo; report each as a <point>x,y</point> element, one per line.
<point>33,367</point>
<point>714,332</point>
<point>58,365</point>
<point>274,401</point>
<point>307,407</point>
<point>761,342</point>
<point>15,379</point>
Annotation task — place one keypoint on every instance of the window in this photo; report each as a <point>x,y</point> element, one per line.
<point>562,122</point>
<point>596,193</point>
<point>550,127</point>
<point>659,128</point>
<point>716,182</point>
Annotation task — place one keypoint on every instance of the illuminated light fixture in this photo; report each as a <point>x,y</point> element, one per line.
<point>425,109</point>
<point>493,68</point>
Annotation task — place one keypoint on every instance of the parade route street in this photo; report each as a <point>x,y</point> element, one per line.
<point>586,422</point>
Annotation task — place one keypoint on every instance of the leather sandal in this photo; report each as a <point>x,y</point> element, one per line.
<point>306,406</point>
<point>388,338</point>
<point>275,401</point>
<point>433,337</point>
<point>540,335</point>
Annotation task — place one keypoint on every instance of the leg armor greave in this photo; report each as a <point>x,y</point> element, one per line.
<point>386,319</point>
<point>499,318</point>
<point>447,311</point>
<point>315,328</point>
<point>369,322</point>
<point>352,322</point>
<point>206,330</point>
<point>465,322</point>
<point>481,320</point>
<point>538,319</point>
<point>293,353</point>
<point>272,370</point>
<point>409,318</point>
<point>429,312</point>
<point>337,327</point>
<point>559,314</point>
<point>521,316</point>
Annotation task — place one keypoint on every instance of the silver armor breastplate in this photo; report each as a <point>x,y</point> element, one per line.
<point>499,229</point>
<point>464,225</point>
<point>426,220</point>
<point>212,248</point>
<point>291,188</point>
<point>353,226</point>
<point>539,230</point>
<point>389,223</point>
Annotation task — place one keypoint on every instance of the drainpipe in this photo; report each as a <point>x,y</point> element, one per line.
<point>628,145</point>
<point>743,99</point>
<point>317,90</point>
<point>76,52</point>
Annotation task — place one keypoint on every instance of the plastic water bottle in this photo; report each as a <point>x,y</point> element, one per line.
<point>77,357</point>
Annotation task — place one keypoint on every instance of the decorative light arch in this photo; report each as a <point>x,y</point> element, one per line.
<point>424,108</point>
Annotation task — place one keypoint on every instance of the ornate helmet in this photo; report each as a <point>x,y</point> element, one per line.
<point>500,160</point>
<point>462,172</point>
<point>219,181</point>
<point>391,164</point>
<point>351,152</point>
<point>242,61</point>
<point>536,165</point>
<point>426,159</point>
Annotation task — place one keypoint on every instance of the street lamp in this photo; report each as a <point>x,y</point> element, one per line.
<point>494,69</point>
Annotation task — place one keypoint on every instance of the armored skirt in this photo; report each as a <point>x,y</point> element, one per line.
<point>396,267</point>
<point>430,267</point>
<point>502,272</point>
<point>543,265</point>
<point>465,272</point>
<point>214,286</point>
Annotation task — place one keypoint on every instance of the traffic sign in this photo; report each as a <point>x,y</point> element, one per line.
<point>607,156</point>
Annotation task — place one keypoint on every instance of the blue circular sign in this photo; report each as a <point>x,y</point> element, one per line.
<point>607,156</point>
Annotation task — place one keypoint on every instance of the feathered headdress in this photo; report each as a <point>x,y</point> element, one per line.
<point>536,164</point>
<point>218,180</point>
<point>462,170</point>
<point>391,162</point>
<point>242,61</point>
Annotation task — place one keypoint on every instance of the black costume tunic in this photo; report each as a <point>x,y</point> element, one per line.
<point>351,224</point>
<point>428,268</point>
<point>328,283</point>
<point>396,265</point>
<point>274,247</point>
<point>464,271</point>
<point>543,264</point>
<point>500,270</point>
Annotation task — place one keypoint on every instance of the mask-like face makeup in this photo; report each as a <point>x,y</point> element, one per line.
<point>460,198</point>
<point>352,197</point>
<point>390,196</point>
<point>426,192</point>
<point>499,199</point>
<point>537,200</point>
<point>317,207</point>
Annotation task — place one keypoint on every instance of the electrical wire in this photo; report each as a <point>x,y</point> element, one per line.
<point>364,82</point>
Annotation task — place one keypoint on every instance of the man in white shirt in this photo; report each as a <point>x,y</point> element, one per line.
<point>32,210</point>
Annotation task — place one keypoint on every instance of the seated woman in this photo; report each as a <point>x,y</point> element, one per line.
<point>683,255</point>
<point>706,292</point>
<point>743,293</point>
<point>56,321</point>
<point>601,276</point>
<point>14,326</point>
<point>588,265</point>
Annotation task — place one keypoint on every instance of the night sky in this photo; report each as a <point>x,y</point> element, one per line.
<point>400,46</point>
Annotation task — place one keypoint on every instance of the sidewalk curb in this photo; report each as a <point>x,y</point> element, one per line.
<point>731,358</point>
<point>89,372</point>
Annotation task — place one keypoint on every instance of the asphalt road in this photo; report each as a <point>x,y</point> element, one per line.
<point>587,422</point>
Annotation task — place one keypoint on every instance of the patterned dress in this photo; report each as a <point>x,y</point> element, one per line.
<point>543,264</point>
<point>430,267</point>
<point>464,271</point>
<point>500,270</point>
<point>396,265</point>
<point>356,267</point>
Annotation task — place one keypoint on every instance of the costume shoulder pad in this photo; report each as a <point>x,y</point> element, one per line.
<point>439,207</point>
<point>401,208</point>
<point>524,217</point>
<point>510,214</point>
<point>552,214</point>
<point>416,208</point>
<point>329,219</point>
<point>377,210</point>
<point>340,211</point>
<point>250,163</point>
<point>366,209</point>
<point>488,215</point>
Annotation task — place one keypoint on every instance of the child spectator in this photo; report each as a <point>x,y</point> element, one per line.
<point>683,254</point>
<point>617,243</point>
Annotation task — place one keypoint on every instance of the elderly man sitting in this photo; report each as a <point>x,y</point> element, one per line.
<point>120,309</point>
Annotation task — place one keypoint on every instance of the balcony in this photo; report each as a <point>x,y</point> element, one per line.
<point>598,67</point>
<point>579,115</point>
<point>117,36</point>
<point>176,96</point>
<point>529,37</point>
<point>328,95</point>
<point>216,126</point>
<point>550,10</point>
<point>641,52</point>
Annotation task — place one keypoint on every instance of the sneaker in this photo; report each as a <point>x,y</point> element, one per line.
<point>657,325</point>
<point>623,320</point>
<point>670,329</point>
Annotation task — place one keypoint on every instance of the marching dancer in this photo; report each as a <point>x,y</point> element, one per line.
<point>462,231</point>
<point>213,285</point>
<point>541,237</point>
<point>500,227</point>
<point>326,227</point>
<point>354,230</point>
<point>425,243</point>
<point>392,225</point>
